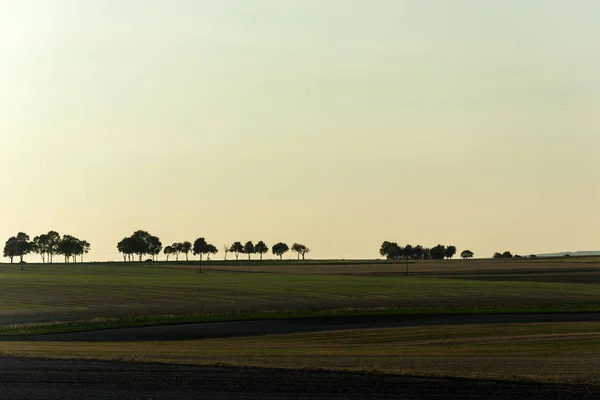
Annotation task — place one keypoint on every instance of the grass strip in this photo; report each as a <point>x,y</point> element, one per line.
<point>95,324</point>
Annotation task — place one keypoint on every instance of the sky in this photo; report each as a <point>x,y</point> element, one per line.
<point>337,124</point>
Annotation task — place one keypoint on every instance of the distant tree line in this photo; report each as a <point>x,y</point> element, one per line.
<point>393,251</point>
<point>142,243</point>
<point>47,246</point>
<point>508,254</point>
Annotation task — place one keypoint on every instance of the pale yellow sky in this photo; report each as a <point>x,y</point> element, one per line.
<point>338,124</point>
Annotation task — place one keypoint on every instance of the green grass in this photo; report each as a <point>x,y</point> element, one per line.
<point>76,292</point>
<point>555,352</point>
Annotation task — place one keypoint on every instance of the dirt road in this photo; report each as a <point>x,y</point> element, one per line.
<point>250,328</point>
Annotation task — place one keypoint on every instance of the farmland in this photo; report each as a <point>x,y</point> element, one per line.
<point>94,296</point>
<point>50,293</point>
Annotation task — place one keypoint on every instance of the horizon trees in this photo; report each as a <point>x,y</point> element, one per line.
<point>301,249</point>
<point>261,248</point>
<point>393,251</point>
<point>46,245</point>
<point>201,247</point>
<point>249,249</point>
<point>280,249</point>
<point>466,254</point>
<point>236,248</point>
<point>140,243</point>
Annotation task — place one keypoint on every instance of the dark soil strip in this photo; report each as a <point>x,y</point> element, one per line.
<point>252,328</point>
<point>53,379</point>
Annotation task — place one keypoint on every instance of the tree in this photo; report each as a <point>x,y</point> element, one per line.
<point>140,243</point>
<point>177,249</point>
<point>497,255</point>
<point>450,251</point>
<point>54,239</point>
<point>10,249</point>
<point>168,251</point>
<point>418,252</point>
<point>40,246</point>
<point>408,251</point>
<point>261,248</point>
<point>249,249</point>
<point>85,248</point>
<point>154,246</point>
<point>236,249</point>
<point>507,254</point>
<point>438,252</point>
<point>68,247</point>
<point>211,250</point>
<point>186,247</point>
<point>391,250</point>
<point>467,254</point>
<point>280,249</point>
<point>200,247</point>
<point>126,247</point>
<point>299,248</point>
<point>305,251</point>
<point>22,245</point>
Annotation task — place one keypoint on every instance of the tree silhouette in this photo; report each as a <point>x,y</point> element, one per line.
<point>438,252</point>
<point>200,247</point>
<point>10,249</point>
<point>450,251</point>
<point>236,249</point>
<point>85,248</point>
<point>280,249</point>
<point>40,246</point>
<point>177,249</point>
<point>467,254</point>
<point>54,239</point>
<point>300,249</point>
<point>168,251</point>
<point>391,250</point>
<point>248,249</point>
<point>211,250</point>
<point>261,248</point>
<point>140,243</point>
<point>186,247</point>
<point>154,246</point>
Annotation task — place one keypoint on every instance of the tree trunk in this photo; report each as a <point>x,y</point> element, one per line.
<point>261,256</point>
<point>248,256</point>
<point>237,257</point>
<point>186,257</point>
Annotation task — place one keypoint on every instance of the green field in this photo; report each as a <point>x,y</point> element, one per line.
<point>77,292</point>
<point>83,297</point>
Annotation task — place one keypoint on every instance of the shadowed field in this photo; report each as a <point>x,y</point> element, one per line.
<point>76,379</point>
<point>553,352</point>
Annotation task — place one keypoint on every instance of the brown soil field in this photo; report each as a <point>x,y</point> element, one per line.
<point>79,379</point>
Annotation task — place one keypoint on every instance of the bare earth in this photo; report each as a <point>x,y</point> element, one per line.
<point>52,379</point>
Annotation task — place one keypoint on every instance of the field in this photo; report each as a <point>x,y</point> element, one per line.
<point>71,297</point>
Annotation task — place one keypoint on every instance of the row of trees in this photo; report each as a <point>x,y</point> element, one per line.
<point>142,243</point>
<point>393,251</point>
<point>261,248</point>
<point>47,246</point>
